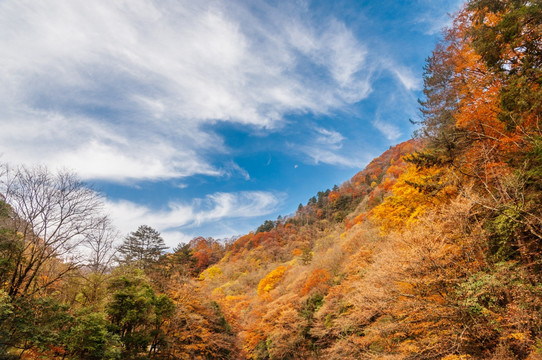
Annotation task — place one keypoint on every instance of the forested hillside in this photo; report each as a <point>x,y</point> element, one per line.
<point>433,251</point>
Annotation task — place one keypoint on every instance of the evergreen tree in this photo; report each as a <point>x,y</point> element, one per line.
<point>268,225</point>
<point>142,247</point>
<point>184,260</point>
<point>137,314</point>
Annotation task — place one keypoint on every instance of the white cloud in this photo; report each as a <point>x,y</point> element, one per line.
<point>102,151</point>
<point>326,156</point>
<point>407,78</point>
<point>325,147</point>
<point>177,216</point>
<point>390,131</point>
<point>404,75</point>
<point>174,238</point>
<point>347,57</point>
<point>120,90</point>
<point>329,137</point>
<point>231,169</point>
<point>434,24</point>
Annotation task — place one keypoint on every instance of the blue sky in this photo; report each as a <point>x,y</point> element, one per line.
<point>208,117</point>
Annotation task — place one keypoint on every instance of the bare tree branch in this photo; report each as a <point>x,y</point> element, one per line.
<point>54,213</point>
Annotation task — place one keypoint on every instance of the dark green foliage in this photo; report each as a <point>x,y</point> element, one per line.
<point>498,303</point>
<point>220,327</point>
<point>519,97</point>
<point>322,198</point>
<point>4,208</point>
<point>423,159</point>
<point>90,339</point>
<point>311,305</point>
<point>33,323</point>
<point>343,204</point>
<point>517,32</point>
<point>444,140</point>
<point>503,231</point>
<point>137,313</point>
<point>6,314</point>
<point>183,260</point>
<point>306,256</point>
<point>512,49</point>
<point>11,247</point>
<point>515,228</point>
<point>533,167</point>
<point>164,309</point>
<point>439,100</point>
<point>268,225</point>
<point>131,311</point>
<point>320,207</point>
<point>261,352</point>
<point>223,325</point>
<point>142,248</point>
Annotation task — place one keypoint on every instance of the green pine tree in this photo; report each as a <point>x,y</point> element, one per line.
<point>142,248</point>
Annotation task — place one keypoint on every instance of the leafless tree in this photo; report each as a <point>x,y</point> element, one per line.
<point>100,258</point>
<point>53,213</point>
<point>101,246</point>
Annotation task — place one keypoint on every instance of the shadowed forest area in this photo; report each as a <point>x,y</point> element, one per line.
<point>433,251</point>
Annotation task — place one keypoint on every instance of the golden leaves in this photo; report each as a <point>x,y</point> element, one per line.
<point>270,281</point>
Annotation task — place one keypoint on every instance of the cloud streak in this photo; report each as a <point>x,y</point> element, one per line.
<point>325,147</point>
<point>177,217</point>
<point>390,131</point>
<point>121,91</point>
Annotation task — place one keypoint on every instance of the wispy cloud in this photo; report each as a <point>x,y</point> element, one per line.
<point>434,24</point>
<point>231,169</point>
<point>326,156</point>
<point>324,146</point>
<point>178,216</point>
<point>406,77</point>
<point>329,137</point>
<point>390,131</point>
<point>121,92</point>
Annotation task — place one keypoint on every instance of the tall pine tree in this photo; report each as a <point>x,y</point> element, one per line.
<point>142,248</point>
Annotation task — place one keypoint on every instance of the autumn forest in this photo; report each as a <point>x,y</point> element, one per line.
<point>433,251</point>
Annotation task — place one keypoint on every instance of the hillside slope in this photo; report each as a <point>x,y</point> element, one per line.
<point>433,251</point>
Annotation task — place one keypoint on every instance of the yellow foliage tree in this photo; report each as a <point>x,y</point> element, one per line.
<point>415,191</point>
<point>270,281</point>
<point>211,273</point>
